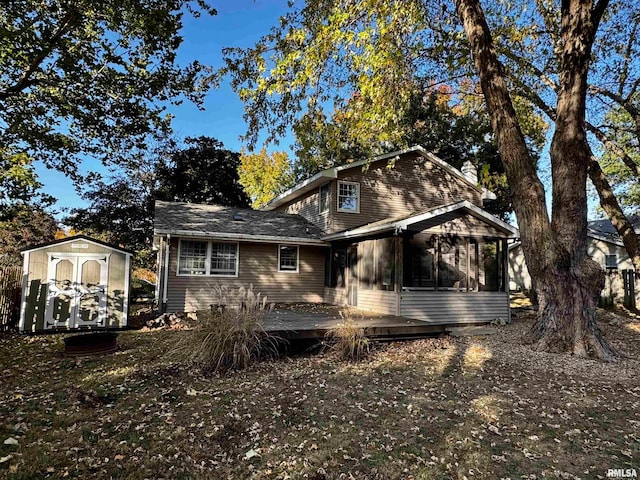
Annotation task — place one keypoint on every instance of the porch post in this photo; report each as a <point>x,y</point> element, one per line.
<point>505,265</point>
<point>436,264</point>
<point>468,258</point>
<point>399,245</point>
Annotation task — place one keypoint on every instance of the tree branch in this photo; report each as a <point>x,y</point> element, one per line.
<point>25,79</point>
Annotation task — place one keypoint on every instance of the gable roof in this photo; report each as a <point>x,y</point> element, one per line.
<point>230,223</point>
<point>425,219</point>
<point>604,230</point>
<point>322,177</point>
<point>75,238</point>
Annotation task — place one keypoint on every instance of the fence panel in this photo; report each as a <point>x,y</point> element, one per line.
<point>10,291</point>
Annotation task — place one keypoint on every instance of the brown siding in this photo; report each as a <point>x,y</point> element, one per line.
<point>258,266</point>
<point>468,226</point>
<point>308,206</point>
<point>414,184</point>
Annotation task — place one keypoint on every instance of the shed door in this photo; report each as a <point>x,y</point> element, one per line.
<point>77,290</point>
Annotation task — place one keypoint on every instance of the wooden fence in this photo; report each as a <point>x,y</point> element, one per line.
<point>10,291</point>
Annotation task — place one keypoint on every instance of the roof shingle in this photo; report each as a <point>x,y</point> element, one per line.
<point>184,218</point>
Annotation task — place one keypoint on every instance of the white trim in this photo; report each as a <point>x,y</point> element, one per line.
<point>400,225</point>
<point>25,286</point>
<point>235,237</point>
<point>76,239</point>
<point>297,270</point>
<point>302,187</point>
<point>345,210</point>
<point>207,264</point>
<point>165,287</point>
<point>125,301</point>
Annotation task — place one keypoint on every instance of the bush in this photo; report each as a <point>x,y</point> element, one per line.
<point>231,336</point>
<point>348,340</point>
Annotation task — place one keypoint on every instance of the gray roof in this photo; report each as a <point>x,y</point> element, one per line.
<point>605,228</point>
<point>184,219</point>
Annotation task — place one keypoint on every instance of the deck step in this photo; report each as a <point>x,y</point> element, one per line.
<point>471,331</point>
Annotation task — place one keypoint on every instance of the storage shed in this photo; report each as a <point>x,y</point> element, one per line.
<point>75,283</point>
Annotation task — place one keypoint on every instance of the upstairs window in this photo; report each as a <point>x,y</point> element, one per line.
<point>324,198</point>
<point>348,197</point>
<point>611,261</point>
<point>287,258</point>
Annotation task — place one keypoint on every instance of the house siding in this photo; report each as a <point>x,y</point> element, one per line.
<point>335,296</point>
<point>380,301</point>
<point>415,183</point>
<point>258,266</point>
<point>444,307</point>
<point>308,206</point>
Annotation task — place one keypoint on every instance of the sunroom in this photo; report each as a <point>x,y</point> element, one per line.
<point>442,265</point>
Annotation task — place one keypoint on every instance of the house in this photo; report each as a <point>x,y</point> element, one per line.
<point>603,245</point>
<point>403,234</point>
<point>75,283</point>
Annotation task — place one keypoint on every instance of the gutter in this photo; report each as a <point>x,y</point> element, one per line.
<point>245,237</point>
<point>166,273</point>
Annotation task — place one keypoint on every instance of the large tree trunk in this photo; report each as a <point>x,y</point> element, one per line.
<point>567,281</point>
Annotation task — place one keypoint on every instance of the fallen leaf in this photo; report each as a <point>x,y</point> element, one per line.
<point>11,441</point>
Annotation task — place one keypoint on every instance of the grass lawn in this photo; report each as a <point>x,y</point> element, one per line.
<point>435,409</point>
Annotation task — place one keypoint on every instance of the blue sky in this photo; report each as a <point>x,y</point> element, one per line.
<point>239,23</point>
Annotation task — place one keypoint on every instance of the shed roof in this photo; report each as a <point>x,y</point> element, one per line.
<point>231,223</point>
<point>75,238</point>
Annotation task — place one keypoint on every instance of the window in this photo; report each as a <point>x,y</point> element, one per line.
<point>287,258</point>
<point>611,261</point>
<point>324,198</point>
<point>348,197</point>
<point>193,258</point>
<point>207,258</point>
<point>223,258</point>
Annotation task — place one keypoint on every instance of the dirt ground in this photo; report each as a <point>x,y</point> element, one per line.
<point>461,408</point>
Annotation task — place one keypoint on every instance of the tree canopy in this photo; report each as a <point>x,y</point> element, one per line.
<point>263,176</point>
<point>23,225</point>
<point>89,78</point>
<point>200,170</point>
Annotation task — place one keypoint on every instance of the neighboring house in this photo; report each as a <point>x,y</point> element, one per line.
<point>603,245</point>
<point>403,234</point>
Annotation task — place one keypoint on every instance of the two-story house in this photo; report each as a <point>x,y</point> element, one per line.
<point>402,234</point>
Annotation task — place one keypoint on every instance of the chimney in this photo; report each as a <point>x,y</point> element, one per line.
<point>470,172</point>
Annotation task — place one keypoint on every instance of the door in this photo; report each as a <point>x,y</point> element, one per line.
<point>352,275</point>
<point>77,291</point>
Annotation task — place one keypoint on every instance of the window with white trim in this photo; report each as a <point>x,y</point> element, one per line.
<point>288,256</point>
<point>193,258</point>
<point>196,257</point>
<point>348,197</point>
<point>324,198</point>
<point>611,261</point>
<point>224,258</point>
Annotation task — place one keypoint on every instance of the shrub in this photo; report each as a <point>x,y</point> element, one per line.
<point>348,340</point>
<point>232,335</point>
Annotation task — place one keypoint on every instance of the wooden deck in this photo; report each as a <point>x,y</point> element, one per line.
<point>308,325</point>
